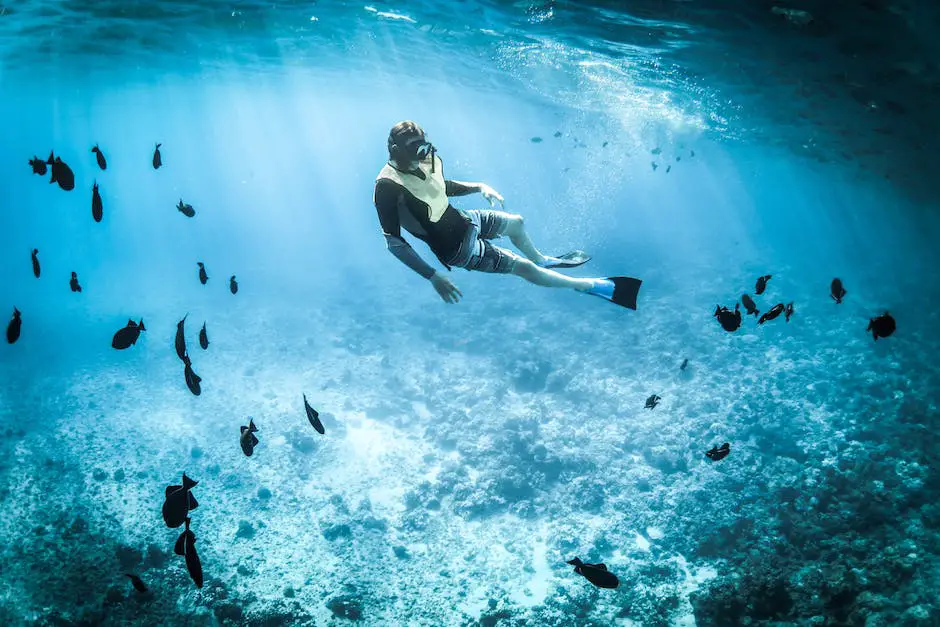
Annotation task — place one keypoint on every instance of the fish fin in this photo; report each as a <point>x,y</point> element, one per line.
<point>243,429</point>
<point>141,326</point>
<point>193,504</point>
<point>51,158</point>
<point>254,440</point>
<point>576,562</point>
<point>172,488</point>
<point>601,566</point>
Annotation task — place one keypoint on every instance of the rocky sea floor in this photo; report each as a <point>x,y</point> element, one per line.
<point>464,464</point>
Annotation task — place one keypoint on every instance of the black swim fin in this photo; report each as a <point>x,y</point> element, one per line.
<point>569,260</point>
<point>620,290</point>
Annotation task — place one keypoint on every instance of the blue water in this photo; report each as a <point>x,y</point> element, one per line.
<point>471,450</point>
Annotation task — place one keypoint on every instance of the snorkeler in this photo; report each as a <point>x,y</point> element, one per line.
<point>411,192</point>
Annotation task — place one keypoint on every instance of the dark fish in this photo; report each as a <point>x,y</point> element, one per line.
<point>74,283</point>
<point>762,284</point>
<point>102,162</point>
<point>788,311</point>
<point>654,164</point>
<point>749,305</point>
<point>97,209</point>
<point>685,364</point>
<point>313,416</point>
<point>157,159</point>
<point>186,546</point>
<point>35,259</point>
<point>39,166</point>
<point>691,153</point>
<point>127,337</point>
<point>604,145</point>
<point>557,134</point>
<point>203,337</point>
<point>668,169</point>
<point>730,320</point>
<point>179,502</point>
<point>233,285</point>
<point>193,380</point>
<point>139,585</point>
<point>13,329</point>
<point>882,326</point>
<point>248,439</point>
<point>718,453</point>
<point>181,339</point>
<point>837,291</point>
<point>536,140</point>
<point>186,210</point>
<point>597,574</point>
<point>203,277</point>
<point>775,311</point>
<point>61,173</point>
<point>656,151</point>
<point>653,401</point>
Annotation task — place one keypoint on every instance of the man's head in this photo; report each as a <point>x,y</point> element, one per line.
<point>407,144</point>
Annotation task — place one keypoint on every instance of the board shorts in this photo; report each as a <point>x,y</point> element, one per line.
<point>476,252</point>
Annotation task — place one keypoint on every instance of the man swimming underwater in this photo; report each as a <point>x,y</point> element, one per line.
<point>411,192</point>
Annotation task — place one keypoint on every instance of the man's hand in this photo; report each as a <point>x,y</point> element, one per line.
<point>492,196</point>
<point>445,288</point>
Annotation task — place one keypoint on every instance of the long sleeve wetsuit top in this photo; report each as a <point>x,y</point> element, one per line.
<point>397,208</point>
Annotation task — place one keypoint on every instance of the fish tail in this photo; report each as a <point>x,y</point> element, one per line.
<point>576,562</point>
<point>158,146</point>
<point>188,483</point>
<point>141,325</point>
<point>51,159</point>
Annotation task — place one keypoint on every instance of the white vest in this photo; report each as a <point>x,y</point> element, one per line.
<point>430,190</point>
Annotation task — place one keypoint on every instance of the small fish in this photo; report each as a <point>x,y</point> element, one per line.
<point>248,439</point>
<point>788,311</point>
<point>653,401</point>
<point>127,337</point>
<point>691,153</point>
<point>678,159</point>
<point>97,209</point>
<point>837,291</point>
<point>157,159</point>
<point>654,164</point>
<point>39,166</point>
<point>73,283</point>
<point>185,209</point>
<point>203,277</point>
<point>36,269</point>
<point>193,380</point>
<point>536,140</point>
<point>313,416</point>
<point>604,145</point>
<point>179,502</point>
<point>668,169</point>
<point>557,134</point>
<point>597,574</point>
<point>775,311</point>
<point>61,173</point>
<point>13,329</point>
<point>685,364</point>
<point>139,585</point>
<point>186,546</point>
<point>181,338</point>
<point>762,284</point>
<point>656,151</point>
<point>203,337</point>
<point>233,285</point>
<point>882,326</point>
<point>749,305</point>
<point>730,320</point>
<point>102,162</point>
<point>718,453</point>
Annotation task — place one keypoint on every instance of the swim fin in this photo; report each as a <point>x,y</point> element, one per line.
<point>569,260</point>
<point>620,290</point>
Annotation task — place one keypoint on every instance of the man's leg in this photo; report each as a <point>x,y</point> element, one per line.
<point>515,230</point>
<point>549,278</point>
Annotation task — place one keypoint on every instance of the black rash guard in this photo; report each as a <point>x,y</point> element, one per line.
<point>397,208</point>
